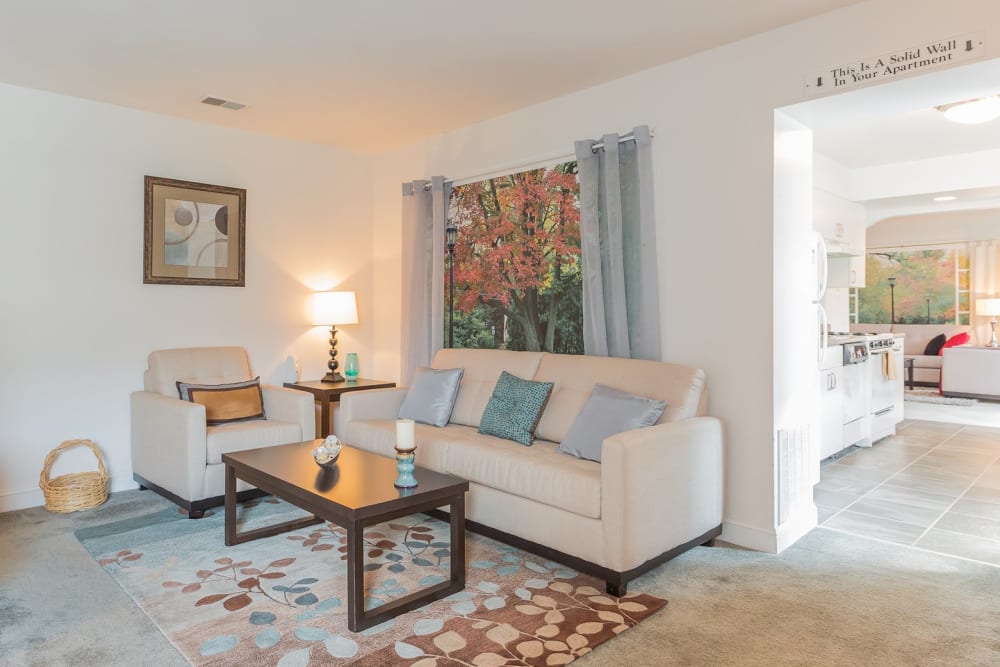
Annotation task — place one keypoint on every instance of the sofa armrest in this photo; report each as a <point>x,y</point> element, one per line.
<point>168,443</point>
<point>661,486</point>
<point>371,404</point>
<point>291,406</point>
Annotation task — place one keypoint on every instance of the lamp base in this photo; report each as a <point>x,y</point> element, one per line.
<point>993,335</point>
<point>333,377</point>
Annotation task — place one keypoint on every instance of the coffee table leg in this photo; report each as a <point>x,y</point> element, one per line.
<point>355,576</point>
<point>230,506</point>
<point>457,512</point>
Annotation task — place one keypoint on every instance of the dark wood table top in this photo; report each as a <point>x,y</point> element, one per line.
<point>336,388</point>
<point>358,486</point>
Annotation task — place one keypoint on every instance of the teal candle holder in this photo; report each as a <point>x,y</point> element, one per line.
<point>404,466</point>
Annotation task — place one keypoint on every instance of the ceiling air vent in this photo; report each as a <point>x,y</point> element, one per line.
<point>225,104</point>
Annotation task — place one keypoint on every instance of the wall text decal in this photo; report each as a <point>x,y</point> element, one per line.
<point>909,61</point>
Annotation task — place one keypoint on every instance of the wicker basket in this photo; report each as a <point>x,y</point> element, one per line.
<point>78,490</point>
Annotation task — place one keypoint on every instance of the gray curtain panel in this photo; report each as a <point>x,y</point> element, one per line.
<point>621,300</point>
<point>425,211</point>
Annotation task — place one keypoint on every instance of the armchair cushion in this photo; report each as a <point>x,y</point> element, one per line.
<point>237,436</point>
<point>224,403</point>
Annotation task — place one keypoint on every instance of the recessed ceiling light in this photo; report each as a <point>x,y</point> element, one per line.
<point>971,112</point>
<point>945,198</point>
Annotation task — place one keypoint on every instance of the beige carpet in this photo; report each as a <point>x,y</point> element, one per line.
<point>831,599</point>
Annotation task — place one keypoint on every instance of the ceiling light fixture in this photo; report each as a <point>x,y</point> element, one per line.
<point>945,198</point>
<point>971,112</point>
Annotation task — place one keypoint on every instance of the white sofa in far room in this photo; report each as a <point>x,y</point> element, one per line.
<point>926,368</point>
<point>656,493</point>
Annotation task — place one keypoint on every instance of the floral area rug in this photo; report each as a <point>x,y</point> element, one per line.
<point>282,600</point>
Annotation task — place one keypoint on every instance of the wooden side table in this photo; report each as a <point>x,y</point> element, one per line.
<point>330,392</point>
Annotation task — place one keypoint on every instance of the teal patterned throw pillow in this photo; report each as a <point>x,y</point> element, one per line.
<point>514,408</point>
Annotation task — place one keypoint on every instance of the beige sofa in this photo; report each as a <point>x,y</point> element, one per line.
<point>656,493</point>
<point>926,368</point>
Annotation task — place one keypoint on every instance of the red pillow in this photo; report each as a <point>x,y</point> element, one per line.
<point>957,339</point>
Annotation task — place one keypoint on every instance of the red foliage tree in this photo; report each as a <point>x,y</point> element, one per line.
<point>518,239</point>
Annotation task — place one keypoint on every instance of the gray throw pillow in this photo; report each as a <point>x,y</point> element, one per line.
<point>608,411</point>
<point>431,397</point>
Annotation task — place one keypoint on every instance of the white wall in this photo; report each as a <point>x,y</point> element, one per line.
<point>77,320</point>
<point>713,114</point>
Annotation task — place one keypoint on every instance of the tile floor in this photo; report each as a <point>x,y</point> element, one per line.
<point>934,486</point>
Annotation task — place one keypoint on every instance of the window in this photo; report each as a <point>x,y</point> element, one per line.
<point>518,284</point>
<point>932,286</point>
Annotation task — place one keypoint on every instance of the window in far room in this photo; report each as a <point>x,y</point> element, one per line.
<point>931,286</point>
<point>517,277</point>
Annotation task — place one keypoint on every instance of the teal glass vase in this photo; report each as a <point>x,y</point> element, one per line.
<point>351,366</point>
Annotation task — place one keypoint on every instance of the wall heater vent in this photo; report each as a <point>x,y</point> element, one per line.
<point>797,470</point>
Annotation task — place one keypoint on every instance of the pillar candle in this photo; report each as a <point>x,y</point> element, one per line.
<point>404,434</point>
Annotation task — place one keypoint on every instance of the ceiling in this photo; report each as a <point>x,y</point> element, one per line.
<point>365,75</point>
<point>906,137</point>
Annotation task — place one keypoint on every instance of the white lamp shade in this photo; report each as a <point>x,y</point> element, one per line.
<point>333,308</point>
<point>988,307</point>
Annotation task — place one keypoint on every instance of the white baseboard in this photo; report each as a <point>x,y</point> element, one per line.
<point>771,541</point>
<point>797,526</point>
<point>17,500</point>
<point>749,537</point>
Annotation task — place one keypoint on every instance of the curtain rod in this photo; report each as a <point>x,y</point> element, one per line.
<point>535,163</point>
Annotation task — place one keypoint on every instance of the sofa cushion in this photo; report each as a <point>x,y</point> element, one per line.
<point>233,437</point>
<point>608,411</point>
<point>482,370</point>
<point>934,345</point>
<point>514,408</point>
<point>378,436</point>
<point>574,377</point>
<point>918,335</point>
<point>224,403</point>
<point>431,398</point>
<point>540,473</point>
<point>868,327</point>
<point>925,361</point>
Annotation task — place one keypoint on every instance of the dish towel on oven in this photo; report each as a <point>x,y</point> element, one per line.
<point>889,364</point>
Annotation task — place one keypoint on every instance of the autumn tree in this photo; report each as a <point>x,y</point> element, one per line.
<point>518,248</point>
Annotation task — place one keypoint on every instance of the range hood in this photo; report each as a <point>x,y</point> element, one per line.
<point>840,248</point>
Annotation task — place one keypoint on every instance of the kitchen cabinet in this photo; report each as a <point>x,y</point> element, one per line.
<point>831,401</point>
<point>831,411</point>
<point>846,271</point>
<point>843,224</point>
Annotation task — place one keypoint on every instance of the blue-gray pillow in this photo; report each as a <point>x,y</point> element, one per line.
<point>608,411</point>
<point>431,397</point>
<point>514,408</point>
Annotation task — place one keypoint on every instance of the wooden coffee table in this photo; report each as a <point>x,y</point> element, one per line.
<point>356,493</point>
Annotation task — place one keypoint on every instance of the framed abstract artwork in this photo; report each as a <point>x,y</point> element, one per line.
<point>195,233</point>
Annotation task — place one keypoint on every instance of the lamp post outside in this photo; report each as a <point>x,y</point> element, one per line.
<point>927,297</point>
<point>892,299</point>
<point>451,234</point>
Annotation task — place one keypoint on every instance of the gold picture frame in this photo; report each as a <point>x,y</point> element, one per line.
<point>195,233</point>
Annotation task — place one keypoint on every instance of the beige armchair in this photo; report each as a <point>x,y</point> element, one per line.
<point>174,451</point>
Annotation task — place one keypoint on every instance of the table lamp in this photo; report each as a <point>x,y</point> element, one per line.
<point>331,309</point>
<point>990,307</point>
